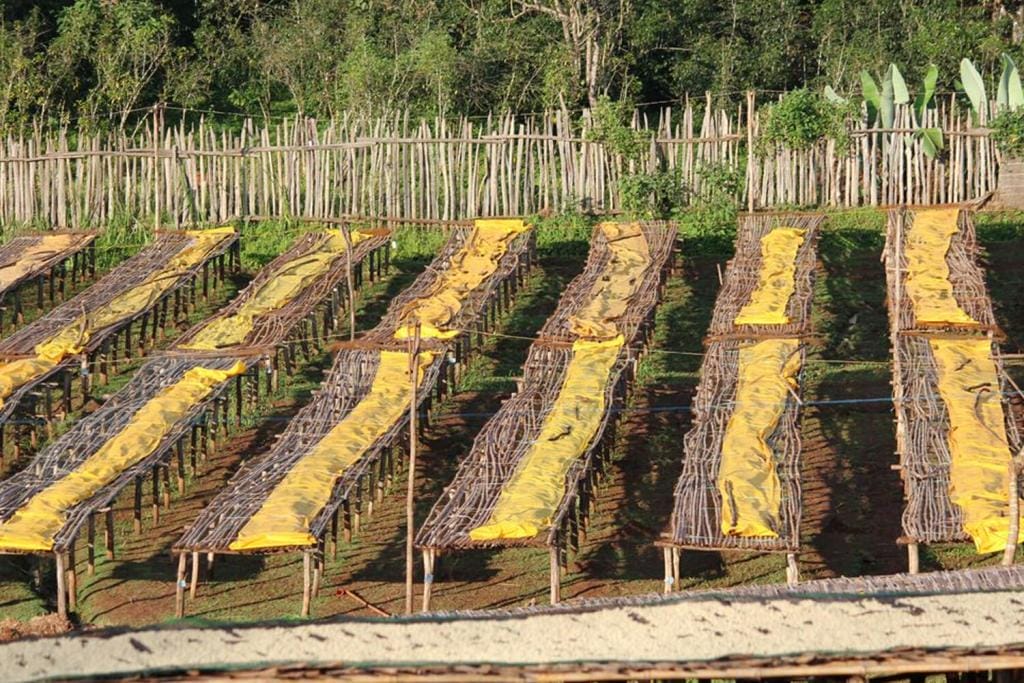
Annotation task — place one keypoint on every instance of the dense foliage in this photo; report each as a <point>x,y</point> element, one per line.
<point>92,62</point>
<point>803,117</point>
<point>1008,132</point>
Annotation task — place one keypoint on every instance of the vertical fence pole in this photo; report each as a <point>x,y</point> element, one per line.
<point>751,184</point>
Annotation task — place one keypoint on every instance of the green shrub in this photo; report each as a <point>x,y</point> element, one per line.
<point>1008,132</point>
<point>801,119</point>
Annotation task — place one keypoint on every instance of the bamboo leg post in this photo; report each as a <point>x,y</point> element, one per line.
<point>62,593</point>
<point>668,570</point>
<point>210,557</point>
<point>156,495</point>
<point>318,572</point>
<point>194,583</point>
<point>675,567</point>
<point>347,522</point>
<point>179,586</point>
<point>72,582</point>
<point>165,471</point>
<point>306,583</point>
<point>108,533</point>
<point>333,542</point>
<point>91,545</point>
<point>138,504</point>
<point>913,558</point>
<point>556,576</point>
<point>104,355</point>
<point>1013,534</point>
<point>792,569</point>
<point>180,453</point>
<point>428,577</point>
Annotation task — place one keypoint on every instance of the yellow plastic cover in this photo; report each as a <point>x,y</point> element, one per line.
<point>470,266</point>
<point>927,278</point>
<point>284,518</point>
<point>747,478</point>
<point>621,276</point>
<point>776,279</point>
<point>34,526</point>
<point>30,259</point>
<point>979,473</point>
<point>73,338</point>
<point>286,283</point>
<point>530,499</point>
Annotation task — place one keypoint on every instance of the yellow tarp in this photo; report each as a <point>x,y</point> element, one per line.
<point>33,526</point>
<point>470,266</point>
<point>927,279</point>
<point>776,279</point>
<point>531,497</point>
<point>284,518</point>
<point>747,478</point>
<point>287,282</point>
<point>73,338</point>
<point>30,259</point>
<point>619,281</point>
<point>979,473</point>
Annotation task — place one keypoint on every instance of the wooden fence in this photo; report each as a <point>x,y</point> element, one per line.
<point>461,168</point>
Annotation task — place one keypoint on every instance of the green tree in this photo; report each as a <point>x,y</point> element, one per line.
<point>114,53</point>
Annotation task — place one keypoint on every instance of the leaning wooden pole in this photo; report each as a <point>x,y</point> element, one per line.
<point>411,488</point>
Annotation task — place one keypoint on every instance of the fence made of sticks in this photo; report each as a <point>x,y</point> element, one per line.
<point>447,169</point>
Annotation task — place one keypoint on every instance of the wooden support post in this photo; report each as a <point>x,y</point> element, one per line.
<point>410,495</point>
<point>428,576</point>
<point>179,586</point>
<point>556,576</point>
<point>669,578</point>
<point>307,584</point>
<point>333,543</point>
<point>193,585</point>
<point>913,558</point>
<point>62,593</point>
<point>318,571</point>
<point>104,354</point>
<point>138,504</point>
<point>180,453</point>
<point>91,545</point>
<point>675,568</point>
<point>72,580</point>
<point>156,495</point>
<point>792,569</point>
<point>1013,533</point>
<point>108,533</point>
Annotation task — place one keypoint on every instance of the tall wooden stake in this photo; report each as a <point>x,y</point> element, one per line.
<point>179,586</point>
<point>411,489</point>
<point>751,185</point>
<point>1013,534</point>
<point>156,166</point>
<point>348,280</point>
